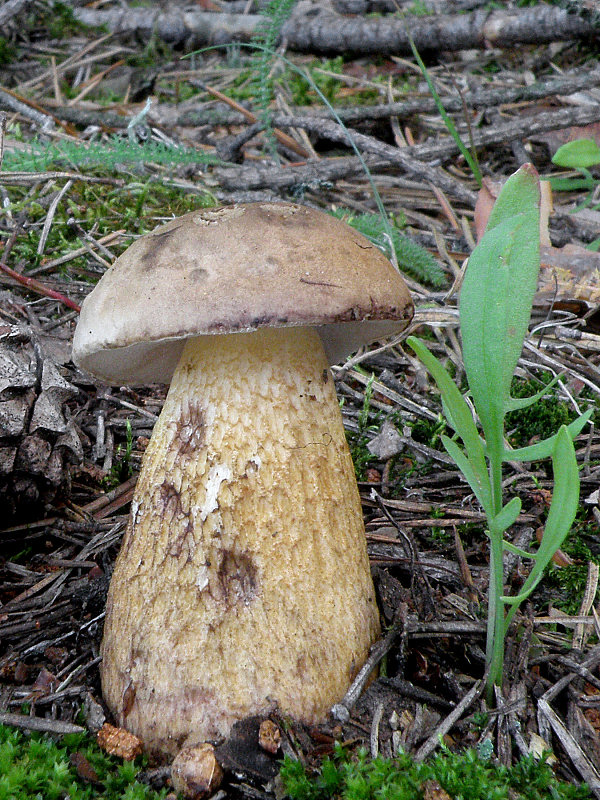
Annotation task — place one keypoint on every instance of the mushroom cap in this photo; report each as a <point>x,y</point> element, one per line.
<point>236,269</point>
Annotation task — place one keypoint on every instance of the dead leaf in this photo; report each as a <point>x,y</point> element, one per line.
<point>546,208</point>
<point>485,202</point>
<point>487,197</point>
<point>555,139</point>
<point>539,746</point>
<point>569,273</point>
<point>84,769</point>
<point>44,683</point>
<point>560,559</point>
<point>21,672</point>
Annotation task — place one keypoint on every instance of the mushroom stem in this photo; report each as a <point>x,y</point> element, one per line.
<point>243,580</point>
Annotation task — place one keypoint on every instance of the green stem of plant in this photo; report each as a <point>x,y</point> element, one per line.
<point>495,627</point>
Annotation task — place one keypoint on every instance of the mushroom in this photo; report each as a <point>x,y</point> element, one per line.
<point>243,581</point>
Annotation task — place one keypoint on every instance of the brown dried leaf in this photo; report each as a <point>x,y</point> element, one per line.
<point>485,202</point>
<point>45,682</point>
<point>546,208</point>
<point>560,559</point>
<point>84,769</point>
<point>555,139</point>
<point>487,197</point>
<point>569,273</point>
<point>21,672</point>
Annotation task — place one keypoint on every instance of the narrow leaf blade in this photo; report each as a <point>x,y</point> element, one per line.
<point>545,448</point>
<point>565,499</point>
<point>458,414</point>
<point>517,403</point>
<point>507,517</point>
<point>477,478</point>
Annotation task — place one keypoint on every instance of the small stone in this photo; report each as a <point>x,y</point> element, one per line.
<point>269,736</point>
<point>195,771</point>
<point>93,713</point>
<point>387,443</point>
<point>340,712</point>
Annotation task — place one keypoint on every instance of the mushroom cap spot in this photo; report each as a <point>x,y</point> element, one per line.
<point>235,269</point>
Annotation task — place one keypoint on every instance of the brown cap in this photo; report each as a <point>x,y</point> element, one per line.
<point>235,269</point>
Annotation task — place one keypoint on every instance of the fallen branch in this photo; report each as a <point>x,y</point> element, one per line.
<point>37,724</point>
<point>282,138</point>
<point>433,741</point>
<point>168,115</point>
<point>315,29</point>
<point>248,177</point>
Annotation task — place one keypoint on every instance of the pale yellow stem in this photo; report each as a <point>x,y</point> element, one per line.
<point>243,579</point>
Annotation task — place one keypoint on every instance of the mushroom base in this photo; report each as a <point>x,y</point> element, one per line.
<point>243,580</point>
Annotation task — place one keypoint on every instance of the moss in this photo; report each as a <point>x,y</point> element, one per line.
<point>34,766</point>
<point>56,19</point>
<point>302,93</point>
<point>8,51</point>
<point>121,469</point>
<point>566,585</point>
<point>419,9</point>
<point>540,420</point>
<point>137,207</point>
<point>465,775</point>
<point>368,425</point>
<point>428,431</point>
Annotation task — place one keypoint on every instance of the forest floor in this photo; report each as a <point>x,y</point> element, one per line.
<point>113,125</point>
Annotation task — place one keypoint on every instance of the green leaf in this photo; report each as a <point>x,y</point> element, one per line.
<point>565,496</point>
<point>520,195</point>
<point>459,412</point>
<point>571,184</point>
<point>516,403</point>
<point>476,477</point>
<point>565,499</point>
<point>518,551</point>
<point>578,154</point>
<point>496,299</point>
<point>507,517</point>
<point>545,448</point>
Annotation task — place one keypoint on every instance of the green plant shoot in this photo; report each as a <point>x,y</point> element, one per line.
<point>495,307</point>
<point>580,154</point>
